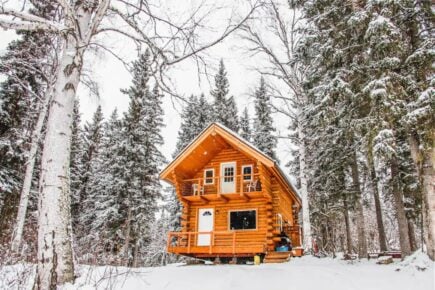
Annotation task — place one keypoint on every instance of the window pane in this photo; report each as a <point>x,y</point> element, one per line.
<point>243,220</point>
<point>208,176</point>
<point>247,172</point>
<point>228,174</point>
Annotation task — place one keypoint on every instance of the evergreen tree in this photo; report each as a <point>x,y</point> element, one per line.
<point>92,134</point>
<point>263,123</point>
<point>173,208</point>
<point>329,49</point>
<point>27,65</point>
<point>105,212</point>
<point>76,160</point>
<point>142,126</point>
<point>358,87</point>
<point>195,117</point>
<point>232,113</point>
<point>203,115</point>
<point>224,108</point>
<point>245,127</point>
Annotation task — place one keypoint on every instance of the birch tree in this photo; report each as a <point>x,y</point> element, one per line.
<point>30,67</point>
<point>82,23</point>
<point>278,47</point>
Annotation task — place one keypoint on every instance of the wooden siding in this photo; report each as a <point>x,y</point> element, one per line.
<point>283,204</point>
<point>225,155</point>
<point>244,238</point>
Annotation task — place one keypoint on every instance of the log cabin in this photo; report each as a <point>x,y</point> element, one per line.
<point>236,201</point>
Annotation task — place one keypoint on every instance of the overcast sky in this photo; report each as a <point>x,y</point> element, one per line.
<point>111,76</point>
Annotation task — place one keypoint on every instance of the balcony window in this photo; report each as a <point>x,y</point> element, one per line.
<point>243,220</point>
<point>247,173</point>
<point>208,176</point>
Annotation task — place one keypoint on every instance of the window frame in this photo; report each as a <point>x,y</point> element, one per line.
<point>252,173</point>
<point>238,210</point>
<point>205,176</point>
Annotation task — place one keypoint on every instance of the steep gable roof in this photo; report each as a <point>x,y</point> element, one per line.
<point>236,141</point>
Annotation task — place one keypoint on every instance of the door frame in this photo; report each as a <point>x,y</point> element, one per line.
<point>197,223</point>
<point>221,175</point>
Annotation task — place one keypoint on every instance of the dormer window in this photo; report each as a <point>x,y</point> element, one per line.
<point>247,172</point>
<point>209,176</point>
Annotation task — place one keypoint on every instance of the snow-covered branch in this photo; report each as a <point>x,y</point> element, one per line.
<point>26,21</point>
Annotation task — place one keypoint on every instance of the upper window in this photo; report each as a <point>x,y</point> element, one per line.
<point>209,176</point>
<point>243,220</point>
<point>247,172</point>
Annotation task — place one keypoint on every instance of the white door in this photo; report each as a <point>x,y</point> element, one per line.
<point>228,177</point>
<point>205,224</point>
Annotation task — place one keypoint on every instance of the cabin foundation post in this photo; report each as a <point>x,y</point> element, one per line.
<point>233,260</point>
<point>217,260</point>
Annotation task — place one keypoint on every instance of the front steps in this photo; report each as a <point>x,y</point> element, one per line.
<point>277,257</point>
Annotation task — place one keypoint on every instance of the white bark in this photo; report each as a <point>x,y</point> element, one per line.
<point>25,192</point>
<point>55,259</point>
<point>304,190</point>
<point>55,256</point>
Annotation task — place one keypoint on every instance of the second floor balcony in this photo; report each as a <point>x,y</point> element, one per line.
<point>222,187</point>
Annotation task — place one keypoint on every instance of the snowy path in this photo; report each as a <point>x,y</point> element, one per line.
<point>306,273</point>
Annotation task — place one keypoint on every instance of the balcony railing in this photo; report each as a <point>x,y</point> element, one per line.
<point>188,240</point>
<point>197,186</point>
<point>219,242</point>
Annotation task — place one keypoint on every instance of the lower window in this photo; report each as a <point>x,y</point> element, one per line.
<point>243,220</point>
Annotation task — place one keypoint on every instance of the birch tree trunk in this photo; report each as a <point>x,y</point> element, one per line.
<point>304,189</point>
<point>25,192</point>
<point>362,242</point>
<point>55,257</point>
<point>400,210</point>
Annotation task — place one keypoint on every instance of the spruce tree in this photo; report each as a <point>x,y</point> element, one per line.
<point>245,127</point>
<point>224,108</point>
<point>195,117</point>
<point>263,136</point>
<point>27,66</point>
<point>76,160</point>
<point>142,125</point>
<point>92,133</point>
<point>105,212</point>
<point>232,115</point>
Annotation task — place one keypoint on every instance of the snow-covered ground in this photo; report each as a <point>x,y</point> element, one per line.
<point>306,273</point>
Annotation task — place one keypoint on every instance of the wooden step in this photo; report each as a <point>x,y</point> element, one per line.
<point>277,257</point>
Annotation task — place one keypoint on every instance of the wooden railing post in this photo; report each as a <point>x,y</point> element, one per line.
<point>188,242</point>
<point>199,186</point>
<point>234,242</point>
<point>241,183</point>
<point>211,242</point>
